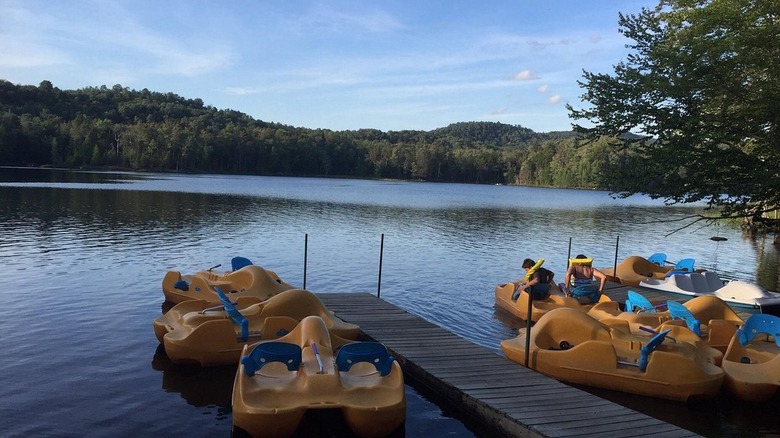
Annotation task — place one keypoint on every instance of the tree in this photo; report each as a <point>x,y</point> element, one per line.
<point>703,84</point>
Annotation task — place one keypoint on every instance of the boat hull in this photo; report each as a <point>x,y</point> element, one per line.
<point>197,332</point>
<point>633,269</point>
<point>519,307</point>
<point>607,357</point>
<point>741,295</point>
<point>249,281</point>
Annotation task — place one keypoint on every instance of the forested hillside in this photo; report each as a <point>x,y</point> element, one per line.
<point>145,130</point>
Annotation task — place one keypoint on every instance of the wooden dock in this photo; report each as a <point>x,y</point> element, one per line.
<point>491,393</point>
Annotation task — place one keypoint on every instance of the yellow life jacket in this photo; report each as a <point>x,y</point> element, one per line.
<point>587,261</point>
<point>533,269</point>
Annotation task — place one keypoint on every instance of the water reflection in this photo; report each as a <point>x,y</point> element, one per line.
<point>198,386</point>
<point>767,252</point>
<point>63,176</point>
<point>91,259</point>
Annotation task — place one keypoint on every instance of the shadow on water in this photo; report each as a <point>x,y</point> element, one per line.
<point>198,386</point>
<point>722,416</point>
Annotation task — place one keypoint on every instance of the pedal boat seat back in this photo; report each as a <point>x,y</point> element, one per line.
<point>658,258</point>
<point>757,324</point>
<point>369,352</point>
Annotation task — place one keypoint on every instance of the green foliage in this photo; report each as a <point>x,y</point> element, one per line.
<point>144,130</point>
<point>703,82</point>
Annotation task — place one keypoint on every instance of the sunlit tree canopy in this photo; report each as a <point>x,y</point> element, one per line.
<point>702,86</point>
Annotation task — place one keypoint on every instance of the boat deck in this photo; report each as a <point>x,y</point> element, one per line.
<point>495,396</point>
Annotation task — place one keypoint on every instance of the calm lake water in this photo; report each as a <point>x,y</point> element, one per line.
<point>84,254</point>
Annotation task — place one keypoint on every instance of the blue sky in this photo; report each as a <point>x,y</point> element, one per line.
<point>388,65</point>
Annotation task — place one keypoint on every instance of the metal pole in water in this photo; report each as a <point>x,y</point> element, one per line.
<point>614,267</point>
<point>528,326</point>
<point>305,256</point>
<point>568,257</point>
<point>381,252</point>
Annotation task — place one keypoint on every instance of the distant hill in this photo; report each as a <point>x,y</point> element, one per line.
<point>148,130</point>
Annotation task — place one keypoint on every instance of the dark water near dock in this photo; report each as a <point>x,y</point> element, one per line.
<point>84,254</point>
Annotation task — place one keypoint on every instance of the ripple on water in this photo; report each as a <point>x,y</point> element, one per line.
<point>84,269</point>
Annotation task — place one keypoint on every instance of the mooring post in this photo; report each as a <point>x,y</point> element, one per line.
<point>528,325</point>
<point>305,256</point>
<point>381,252</point>
<point>614,267</point>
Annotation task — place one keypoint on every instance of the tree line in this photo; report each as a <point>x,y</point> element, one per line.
<point>143,130</point>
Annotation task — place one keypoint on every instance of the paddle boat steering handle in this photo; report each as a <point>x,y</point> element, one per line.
<point>317,355</point>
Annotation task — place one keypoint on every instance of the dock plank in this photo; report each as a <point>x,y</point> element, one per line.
<point>484,387</point>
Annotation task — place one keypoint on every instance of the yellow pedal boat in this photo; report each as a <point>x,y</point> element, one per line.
<point>244,280</point>
<point>633,269</point>
<point>519,307</point>
<point>195,331</point>
<point>278,381</point>
<point>752,361</point>
<point>708,317</point>
<point>571,346</point>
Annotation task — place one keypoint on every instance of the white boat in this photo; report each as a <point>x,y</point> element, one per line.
<point>741,295</point>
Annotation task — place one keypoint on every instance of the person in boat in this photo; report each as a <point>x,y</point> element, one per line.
<point>539,283</point>
<point>579,280</point>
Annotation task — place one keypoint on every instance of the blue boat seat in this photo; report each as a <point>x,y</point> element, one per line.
<point>677,310</point>
<point>371,352</point>
<point>637,301</point>
<point>234,314</point>
<point>239,262</point>
<point>652,344</point>
<point>685,265</point>
<point>658,258</point>
<point>759,323</point>
<point>181,285</point>
<point>272,351</point>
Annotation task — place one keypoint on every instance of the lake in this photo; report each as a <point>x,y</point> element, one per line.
<point>84,254</point>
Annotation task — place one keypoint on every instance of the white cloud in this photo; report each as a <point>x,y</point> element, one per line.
<point>327,18</point>
<point>524,75</point>
<point>305,59</point>
<point>24,55</point>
